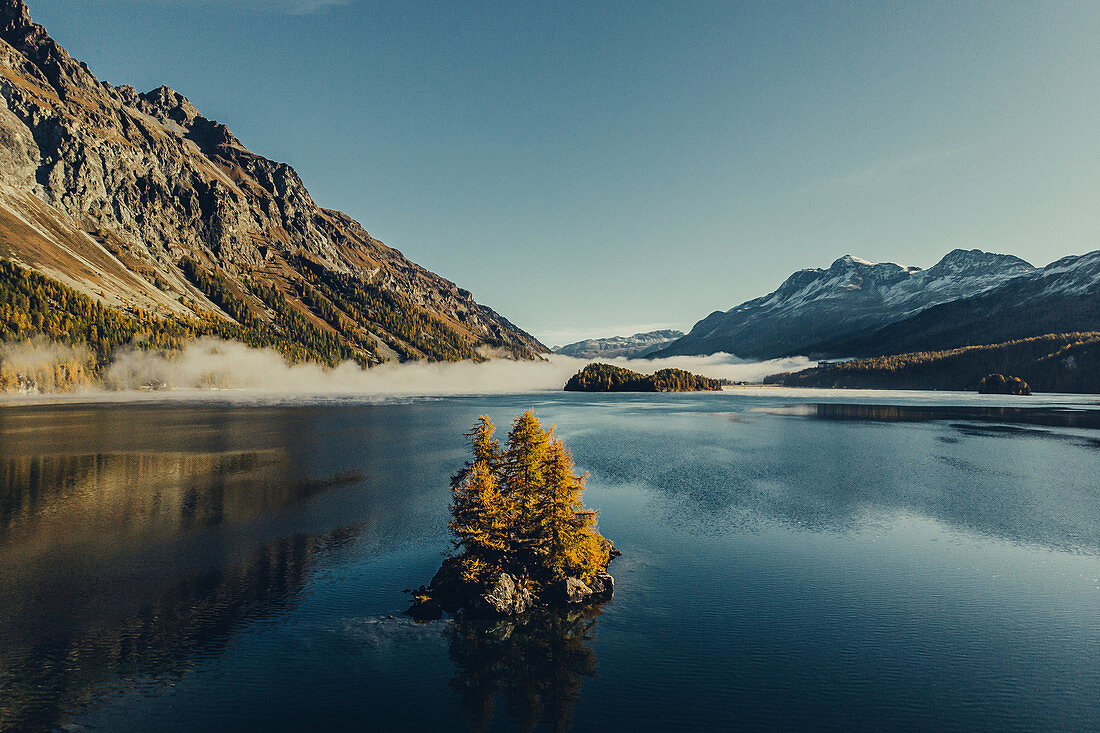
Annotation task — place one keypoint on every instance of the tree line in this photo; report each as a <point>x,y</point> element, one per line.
<point>1062,362</point>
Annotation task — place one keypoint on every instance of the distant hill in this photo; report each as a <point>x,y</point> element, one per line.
<point>608,378</point>
<point>146,207</point>
<point>814,308</point>
<point>1049,363</point>
<point>634,346</point>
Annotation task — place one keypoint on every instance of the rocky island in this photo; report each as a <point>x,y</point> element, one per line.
<point>524,538</point>
<point>598,377</point>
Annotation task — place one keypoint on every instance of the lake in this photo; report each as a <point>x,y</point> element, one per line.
<point>791,559</point>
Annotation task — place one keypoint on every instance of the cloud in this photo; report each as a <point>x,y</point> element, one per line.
<point>304,7</point>
<point>211,364</point>
<point>892,167</point>
<point>288,7</point>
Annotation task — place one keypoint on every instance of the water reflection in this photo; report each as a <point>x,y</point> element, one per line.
<point>124,564</point>
<point>1046,416</point>
<point>1015,474</point>
<point>141,640</point>
<point>535,665</point>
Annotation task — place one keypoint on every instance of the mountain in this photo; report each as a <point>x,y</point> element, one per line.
<point>1062,297</point>
<point>635,346</point>
<point>146,206</point>
<point>1055,362</point>
<point>852,296</point>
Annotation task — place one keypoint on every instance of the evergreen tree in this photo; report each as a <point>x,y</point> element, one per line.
<point>573,545</point>
<point>523,506</point>
<point>523,478</point>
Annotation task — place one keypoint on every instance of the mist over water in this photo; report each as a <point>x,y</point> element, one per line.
<point>212,364</point>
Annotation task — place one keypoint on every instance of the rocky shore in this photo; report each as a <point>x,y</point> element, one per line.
<point>510,593</point>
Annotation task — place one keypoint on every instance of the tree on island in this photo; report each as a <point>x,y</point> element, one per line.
<point>521,530</point>
<point>1000,384</point>
<point>599,377</point>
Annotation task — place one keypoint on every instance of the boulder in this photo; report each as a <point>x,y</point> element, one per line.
<point>572,590</point>
<point>603,586</point>
<point>505,597</point>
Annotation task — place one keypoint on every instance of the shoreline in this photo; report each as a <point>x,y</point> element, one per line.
<point>266,398</point>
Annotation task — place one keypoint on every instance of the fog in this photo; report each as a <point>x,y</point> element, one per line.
<point>224,365</point>
<point>39,353</point>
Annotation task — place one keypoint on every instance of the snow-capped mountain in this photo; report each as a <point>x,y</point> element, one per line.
<point>630,346</point>
<point>852,296</point>
<point>1063,297</point>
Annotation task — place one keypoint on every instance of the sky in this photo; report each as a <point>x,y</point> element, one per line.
<point>591,169</point>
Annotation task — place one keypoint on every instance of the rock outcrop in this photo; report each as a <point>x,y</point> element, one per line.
<point>504,594</point>
<point>108,190</point>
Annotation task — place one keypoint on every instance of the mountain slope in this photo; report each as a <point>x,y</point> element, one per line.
<point>1062,297</point>
<point>851,296</point>
<point>1051,363</point>
<point>637,345</point>
<point>111,192</point>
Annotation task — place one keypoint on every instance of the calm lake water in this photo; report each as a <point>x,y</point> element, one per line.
<point>822,560</point>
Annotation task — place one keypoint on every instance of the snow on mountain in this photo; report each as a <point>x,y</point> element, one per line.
<point>629,346</point>
<point>1063,297</point>
<point>852,295</point>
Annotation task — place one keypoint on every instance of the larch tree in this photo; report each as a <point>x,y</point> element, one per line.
<point>522,506</point>
<point>523,478</point>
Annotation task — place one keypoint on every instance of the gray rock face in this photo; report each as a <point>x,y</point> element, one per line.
<point>574,591</point>
<point>506,597</point>
<point>122,185</point>
<point>603,586</point>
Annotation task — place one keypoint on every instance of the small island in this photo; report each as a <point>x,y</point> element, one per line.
<point>1000,384</point>
<point>598,377</point>
<point>523,536</point>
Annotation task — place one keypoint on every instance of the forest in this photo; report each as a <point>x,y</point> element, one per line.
<point>1067,362</point>
<point>598,377</point>
<point>349,311</point>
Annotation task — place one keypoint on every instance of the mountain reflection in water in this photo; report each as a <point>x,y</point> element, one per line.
<point>187,567</point>
<point>1046,416</point>
<point>115,568</point>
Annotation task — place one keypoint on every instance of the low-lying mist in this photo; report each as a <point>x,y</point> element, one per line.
<point>212,364</point>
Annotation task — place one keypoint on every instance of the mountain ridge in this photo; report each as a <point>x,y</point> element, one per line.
<point>637,345</point>
<point>1062,297</point>
<point>850,296</point>
<point>109,190</point>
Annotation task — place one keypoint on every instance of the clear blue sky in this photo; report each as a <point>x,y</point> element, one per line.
<point>592,168</point>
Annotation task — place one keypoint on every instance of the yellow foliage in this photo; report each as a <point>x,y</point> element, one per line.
<point>523,505</point>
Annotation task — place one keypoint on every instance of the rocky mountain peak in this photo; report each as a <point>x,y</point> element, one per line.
<point>976,261</point>
<point>17,28</point>
<point>14,15</point>
<point>112,191</point>
<point>852,294</point>
<point>170,104</point>
<point>49,59</point>
<point>849,260</point>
